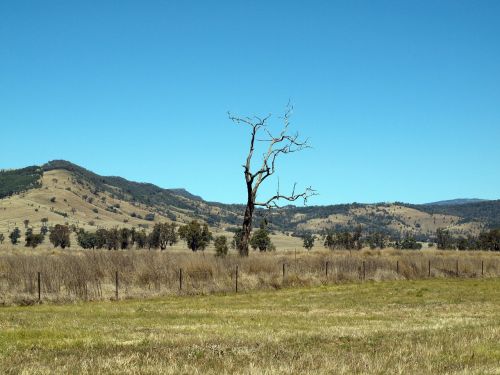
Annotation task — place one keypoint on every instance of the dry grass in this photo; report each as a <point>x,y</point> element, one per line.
<point>435,326</point>
<point>68,276</point>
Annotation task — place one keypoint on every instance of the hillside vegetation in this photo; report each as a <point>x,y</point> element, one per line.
<point>63,192</point>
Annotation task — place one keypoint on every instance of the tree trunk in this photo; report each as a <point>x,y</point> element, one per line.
<point>247,228</point>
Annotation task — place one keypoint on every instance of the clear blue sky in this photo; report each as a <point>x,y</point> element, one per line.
<point>400,99</point>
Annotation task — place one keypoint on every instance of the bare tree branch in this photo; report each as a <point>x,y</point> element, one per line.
<point>273,201</point>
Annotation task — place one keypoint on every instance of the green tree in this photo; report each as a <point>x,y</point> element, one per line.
<point>59,236</point>
<point>163,234</point>
<point>28,236</point>
<point>100,238</point>
<point>260,238</point>
<point>444,239</point>
<point>140,239</point>
<point>86,240</point>
<point>15,235</point>
<point>197,236</point>
<point>409,243</point>
<point>221,247</point>
<point>125,238</point>
<point>308,241</point>
<point>112,239</point>
<point>377,240</point>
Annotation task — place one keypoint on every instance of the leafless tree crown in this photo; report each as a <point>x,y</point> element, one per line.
<point>284,143</point>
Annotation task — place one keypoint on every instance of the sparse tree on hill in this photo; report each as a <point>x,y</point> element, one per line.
<point>2,238</point>
<point>26,223</point>
<point>59,236</point>
<point>281,144</point>
<point>15,235</point>
<point>197,236</point>
<point>221,247</point>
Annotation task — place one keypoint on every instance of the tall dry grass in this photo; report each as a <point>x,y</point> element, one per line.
<point>90,275</point>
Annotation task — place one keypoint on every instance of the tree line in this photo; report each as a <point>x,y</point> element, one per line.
<point>197,237</point>
<point>356,240</point>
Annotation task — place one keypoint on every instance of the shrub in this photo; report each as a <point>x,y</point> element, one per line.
<point>14,236</point>
<point>221,247</point>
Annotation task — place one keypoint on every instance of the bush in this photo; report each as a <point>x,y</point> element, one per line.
<point>221,247</point>
<point>14,236</point>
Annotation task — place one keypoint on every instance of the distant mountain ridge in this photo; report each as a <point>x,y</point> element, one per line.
<point>456,201</point>
<point>84,196</point>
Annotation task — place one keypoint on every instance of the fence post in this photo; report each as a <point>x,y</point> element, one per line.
<point>283,271</point>
<point>236,286</point>
<point>457,267</point>
<point>364,270</point>
<point>116,285</point>
<point>180,278</point>
<point>429,268</point>
<point>397,266</point>
<point>482,267</point>
<point>326,269</point>
<point>39,288</point>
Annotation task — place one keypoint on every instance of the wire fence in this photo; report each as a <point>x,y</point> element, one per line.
<point>110,276</point>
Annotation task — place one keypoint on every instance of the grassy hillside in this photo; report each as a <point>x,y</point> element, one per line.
<point>406,327</point>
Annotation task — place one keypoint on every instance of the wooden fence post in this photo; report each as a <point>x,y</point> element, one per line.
<point>397,266</point>
<point>364,270</point>
<point>326,269</point>
<point>457,267</point>
<point>429,268</point>
<point>180,278</point>
<point>482,267</point>
<point>116,285</point>
<point>39,287</point>
<point>236,285</point>
<point>283,271</point>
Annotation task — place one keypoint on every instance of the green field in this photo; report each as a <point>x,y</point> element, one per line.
<point>429,326</point>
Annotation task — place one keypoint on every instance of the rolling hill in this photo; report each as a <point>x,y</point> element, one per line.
<point>64,192</point>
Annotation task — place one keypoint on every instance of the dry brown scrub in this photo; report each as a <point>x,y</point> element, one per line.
<point>90,275</point>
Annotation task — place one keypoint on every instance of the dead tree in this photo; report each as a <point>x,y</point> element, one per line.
<point>282,144</point>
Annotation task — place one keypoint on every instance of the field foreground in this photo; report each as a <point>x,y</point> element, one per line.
<point>426,326</point>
